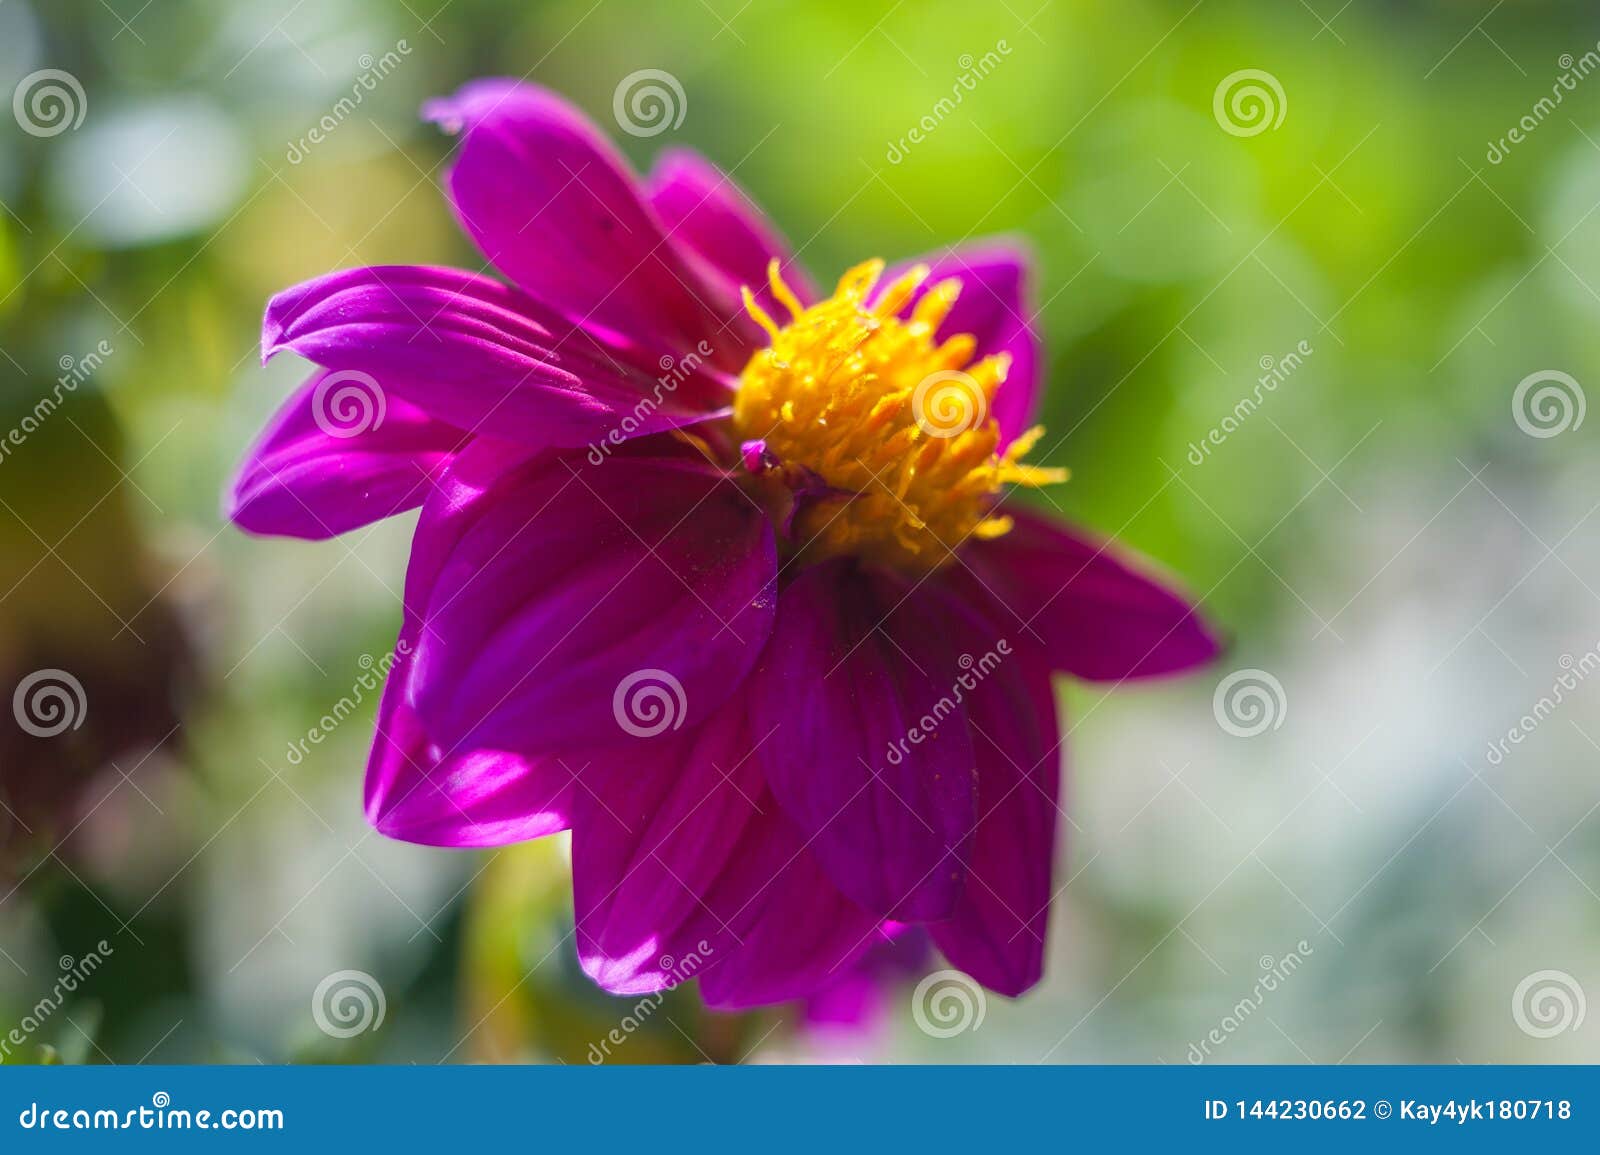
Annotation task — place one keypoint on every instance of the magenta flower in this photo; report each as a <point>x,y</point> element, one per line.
<point>711,568</point>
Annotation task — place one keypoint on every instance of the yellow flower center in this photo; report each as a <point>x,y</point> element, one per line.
<point>882,435</point>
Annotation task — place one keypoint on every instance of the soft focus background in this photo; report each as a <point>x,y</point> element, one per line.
<point>1339,854</point>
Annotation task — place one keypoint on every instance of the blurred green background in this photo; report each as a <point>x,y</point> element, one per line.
<point>1394,535</point>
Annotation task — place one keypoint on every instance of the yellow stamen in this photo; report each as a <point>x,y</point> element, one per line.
<point>758,314</point>
<point>864,398</point>
<point>783,292</point>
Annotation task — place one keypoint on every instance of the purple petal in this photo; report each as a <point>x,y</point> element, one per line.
<point>868,754</point>
<point>796,932</point>
<point>453,507</point>
<point>860,998</point>
<point>994,307</point>
<point>592,605</point>
<point>1098,617</point>
<point>416,790</point>
<point>477,354</point>
<point>684,866</point>
<point>330,461</point>
<point>655,828</point>
<point>856,1002</point>
<point>554,206</point>
<point>998,929</point>
<point>703,208</point>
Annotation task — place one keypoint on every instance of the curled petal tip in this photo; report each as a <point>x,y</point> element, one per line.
<point>442,111</point>
<point>272,326</point>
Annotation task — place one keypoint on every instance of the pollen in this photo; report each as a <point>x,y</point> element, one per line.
<point>880,434</point>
